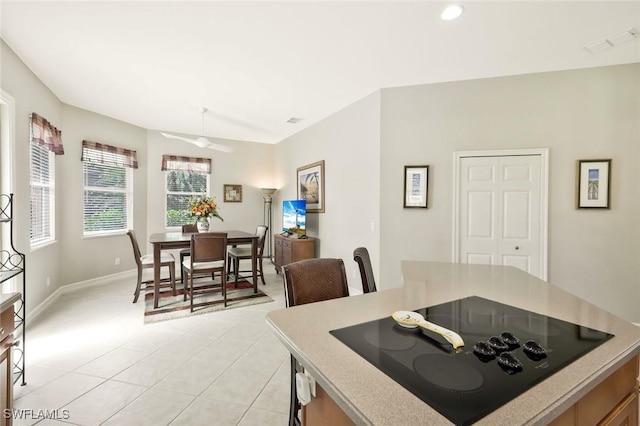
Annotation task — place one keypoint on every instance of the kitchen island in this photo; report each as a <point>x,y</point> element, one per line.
<point>368,396</point>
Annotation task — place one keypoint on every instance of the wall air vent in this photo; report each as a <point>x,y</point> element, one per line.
<point>613,40</point>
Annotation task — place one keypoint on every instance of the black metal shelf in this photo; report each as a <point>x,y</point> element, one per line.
<point>12,264</point>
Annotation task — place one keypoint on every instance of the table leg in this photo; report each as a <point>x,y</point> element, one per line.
<point>156,274</point>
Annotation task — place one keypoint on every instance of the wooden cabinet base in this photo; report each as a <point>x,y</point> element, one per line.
<point>289,250</point>
<point>322,411</point>
<point>612,402</point>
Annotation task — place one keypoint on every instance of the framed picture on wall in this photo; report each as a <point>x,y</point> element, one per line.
<point>416,180</point>
<point>594,184</point>
<point>232,193</point>
<point>311,186</point>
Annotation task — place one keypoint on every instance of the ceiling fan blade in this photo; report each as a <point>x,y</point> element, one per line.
<point>201,142</point>
<point>222,148</point>
<point>170,136</point>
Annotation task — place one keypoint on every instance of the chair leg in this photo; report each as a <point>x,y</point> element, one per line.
<point>191,290</point>
<point>172,276</point>
<point>224,288</point>
<point>184,287</point>
<point>138,284</point>
<point>236,269</point>
<point>182,256</point>
<point>261,273</point>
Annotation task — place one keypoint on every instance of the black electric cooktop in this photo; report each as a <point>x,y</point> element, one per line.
<point>507,351</point>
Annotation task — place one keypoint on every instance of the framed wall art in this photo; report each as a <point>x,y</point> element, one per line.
<point>311,186</point>
<point>232,193</point>
<point>594,184</point>
<point>416,180</point>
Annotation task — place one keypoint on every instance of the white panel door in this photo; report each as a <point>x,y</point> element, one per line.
<point>500,211</point>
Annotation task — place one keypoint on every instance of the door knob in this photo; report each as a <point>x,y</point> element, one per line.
<point>517,247</point>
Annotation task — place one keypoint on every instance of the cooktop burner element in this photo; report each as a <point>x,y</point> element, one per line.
<point>507,351</point>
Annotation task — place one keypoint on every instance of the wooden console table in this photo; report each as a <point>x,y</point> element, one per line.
<point>289,250</point>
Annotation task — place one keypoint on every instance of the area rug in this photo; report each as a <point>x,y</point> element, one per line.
<point>173,307</point>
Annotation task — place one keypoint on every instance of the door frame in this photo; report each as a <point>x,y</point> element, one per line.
<point>544,196</point>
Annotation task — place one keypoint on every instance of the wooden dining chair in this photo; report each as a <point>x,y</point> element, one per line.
<point>208,254</point>
<point>146,261</point>
<point>186,229</point>
<point>236,254</point>
<point>361,256</point>
<point>309,281</point>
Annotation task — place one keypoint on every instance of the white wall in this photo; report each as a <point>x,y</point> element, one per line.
<point>72,258</point>
<point>582,114</point>
<point>87,258</point>
<point>30,95</point>
<point>349,144</point>
<point>250,165</point>
<point>591,113</point>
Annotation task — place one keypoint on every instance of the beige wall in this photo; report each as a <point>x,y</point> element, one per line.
<point>87,258</point>
<point>73,258</point>
<point>250,165</point>
<point>349,143</point>
<point>30,95</point>
<point>589,113</point>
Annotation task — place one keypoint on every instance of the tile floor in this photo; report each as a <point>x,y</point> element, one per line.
<point>91,358</point>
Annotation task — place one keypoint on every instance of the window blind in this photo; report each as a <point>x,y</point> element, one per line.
<point>185,177</point>
<point>41,179</point>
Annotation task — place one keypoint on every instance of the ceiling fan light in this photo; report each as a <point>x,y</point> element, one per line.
<point>452,12</point>
<point>202,142</point>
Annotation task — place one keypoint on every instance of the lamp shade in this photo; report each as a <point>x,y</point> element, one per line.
<point>267,193</point>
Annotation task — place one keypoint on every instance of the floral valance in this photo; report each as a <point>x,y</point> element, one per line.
<point>97,152</point>
<point>46,134</point>
<point>187,164</point>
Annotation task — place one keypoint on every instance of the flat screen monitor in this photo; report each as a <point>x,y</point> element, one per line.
<point>294,217</point>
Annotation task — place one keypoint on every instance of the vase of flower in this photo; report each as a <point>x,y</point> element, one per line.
<point>203,208</point>
<point>203,224</point>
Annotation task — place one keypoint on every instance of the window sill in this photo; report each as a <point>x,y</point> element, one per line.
<point>40,246</point>
<point>105,235</point>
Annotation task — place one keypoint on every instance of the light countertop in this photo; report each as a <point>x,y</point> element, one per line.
<point>369,396</point>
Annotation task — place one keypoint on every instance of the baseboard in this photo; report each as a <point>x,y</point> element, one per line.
<point>69,288</point>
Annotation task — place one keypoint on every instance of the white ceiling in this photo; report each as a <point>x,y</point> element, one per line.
<point>256,64</point>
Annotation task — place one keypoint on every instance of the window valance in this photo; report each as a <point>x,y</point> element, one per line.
<point>187,164</point>
<point>97,152</point>
<point>46,134</point>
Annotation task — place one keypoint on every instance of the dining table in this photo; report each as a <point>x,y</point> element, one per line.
<point>170,240</point>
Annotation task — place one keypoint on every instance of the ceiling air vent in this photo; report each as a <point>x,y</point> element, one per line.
<point>613,40</point>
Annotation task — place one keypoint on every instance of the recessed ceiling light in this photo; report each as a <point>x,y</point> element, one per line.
<point>452,12</point>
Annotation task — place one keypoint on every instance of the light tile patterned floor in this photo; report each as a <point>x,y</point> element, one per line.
<point>91,358</point>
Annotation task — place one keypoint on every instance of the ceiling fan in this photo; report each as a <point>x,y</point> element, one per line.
<point>201,141</point>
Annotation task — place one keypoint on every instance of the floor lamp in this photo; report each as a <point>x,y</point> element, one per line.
<point>267,196</point>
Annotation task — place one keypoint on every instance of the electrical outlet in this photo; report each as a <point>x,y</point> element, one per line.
<point>117,261</point>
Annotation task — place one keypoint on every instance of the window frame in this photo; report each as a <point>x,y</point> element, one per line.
<point>127,191</point>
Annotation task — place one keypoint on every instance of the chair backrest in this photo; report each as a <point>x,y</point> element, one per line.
<point>208,247</point>
<point>187,229</point>
<point>361,256</point>
<point>136,248</point>
<point>314,280</point>
<point>261,231</point>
